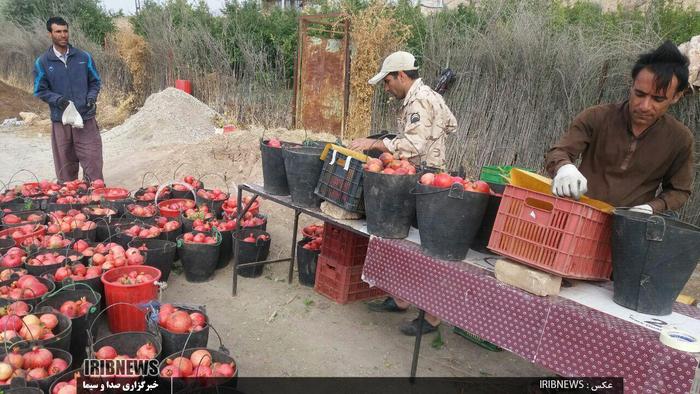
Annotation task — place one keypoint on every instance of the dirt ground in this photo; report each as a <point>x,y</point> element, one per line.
<point>272,328</point>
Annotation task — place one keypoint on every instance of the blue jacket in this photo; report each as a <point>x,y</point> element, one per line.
<point>77,81</point>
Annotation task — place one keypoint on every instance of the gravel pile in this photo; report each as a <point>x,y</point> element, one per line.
<point>167,117</point>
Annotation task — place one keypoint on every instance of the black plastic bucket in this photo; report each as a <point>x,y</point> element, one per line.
<point>107,228</point>
<point>31,301</point>
<point>389,205</point>
<point>42,384</point>
<point>74,292</point>
<point>448,219</point>
<point>653,257</point>
<point>117,205</point>
<point>174,342</point>
<point>67,376</point>
<point>62,332</point>
<point>226,249</point>
<point>249,252</point>
<point>52,207</point>
<point>274,174</point>
<point>6,244</point>
<point>482,236</point>
<point>128,342</point>
<point>21,386</point>
<point>303,168</point>
<point>161,254</point>
<point>38,270</point>
<point>306,263</point>
<point>198,260</point>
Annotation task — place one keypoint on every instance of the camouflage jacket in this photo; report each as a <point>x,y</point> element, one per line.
<point>424,122</point>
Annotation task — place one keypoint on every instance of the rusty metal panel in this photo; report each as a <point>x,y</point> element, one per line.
<point>322,82</point>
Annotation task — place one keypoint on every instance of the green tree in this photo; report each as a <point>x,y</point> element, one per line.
<point>88,15</point>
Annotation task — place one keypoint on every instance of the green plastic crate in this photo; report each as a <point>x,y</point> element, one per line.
<point>497,174</point>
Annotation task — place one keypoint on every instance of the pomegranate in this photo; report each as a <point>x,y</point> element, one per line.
<point>200,357</point>
<point>14,359</point>
<point>37,358</point>
<point>183,364</point>
<point>179,322</point>
<point>49,320</point>
<point>106,353</point>
<point>146,352</point>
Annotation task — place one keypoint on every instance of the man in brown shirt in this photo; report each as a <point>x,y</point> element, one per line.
<point>630,149</point>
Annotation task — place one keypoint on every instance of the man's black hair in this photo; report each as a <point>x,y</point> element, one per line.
<point>413,74</point>
<point>55,20</point>
<point>665,62</point>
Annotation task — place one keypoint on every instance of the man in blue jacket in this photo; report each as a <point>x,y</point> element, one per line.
<point>65,74</point>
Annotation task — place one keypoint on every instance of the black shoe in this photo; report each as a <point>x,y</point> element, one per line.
<point>388,305</point>
<point>411,328</point>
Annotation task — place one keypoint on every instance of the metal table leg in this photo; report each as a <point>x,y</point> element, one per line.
<point>294,244</point>
<point>241,210</point>
<point>416,346</point>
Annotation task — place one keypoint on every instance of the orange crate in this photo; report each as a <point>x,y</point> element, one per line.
<point>343,246</point>
<point>341,283</point>
<point>557,235</point>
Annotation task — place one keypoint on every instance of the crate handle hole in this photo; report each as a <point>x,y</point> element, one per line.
<point>539,204</point>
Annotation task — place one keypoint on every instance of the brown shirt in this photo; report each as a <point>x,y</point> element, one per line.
<point>624,170</point>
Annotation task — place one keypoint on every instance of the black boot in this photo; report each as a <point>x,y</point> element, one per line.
<point>388,305</point>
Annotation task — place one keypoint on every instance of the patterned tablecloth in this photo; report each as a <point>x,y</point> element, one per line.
<point>556,333</point>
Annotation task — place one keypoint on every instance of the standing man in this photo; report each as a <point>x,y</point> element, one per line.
<point>424,122</point>
<point>633,149</point>
<point>424,119</point>
<point>65,74</point>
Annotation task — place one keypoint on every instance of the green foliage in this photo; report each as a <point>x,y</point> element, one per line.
<point>88,15</point>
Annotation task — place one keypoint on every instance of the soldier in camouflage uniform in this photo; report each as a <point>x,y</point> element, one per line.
<point>424,119</point>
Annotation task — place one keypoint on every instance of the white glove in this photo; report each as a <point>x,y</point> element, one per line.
<point>646,208</point>
<point>569,182</point>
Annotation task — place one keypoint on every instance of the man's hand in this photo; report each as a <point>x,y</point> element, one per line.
<point>363,144</point>
<point>63,103</point>
<point>90,103</point>
<point>569,182</point>
<point>646,208</point>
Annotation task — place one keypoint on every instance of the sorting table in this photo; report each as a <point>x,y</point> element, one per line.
<point>579,333</point>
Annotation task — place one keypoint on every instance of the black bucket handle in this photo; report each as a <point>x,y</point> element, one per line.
<point>222,177</point>
<point>656,224</point>
<point>69,282</point>
<point>174,182</point>
<point>149,324</point>
<point>12,177</point>
<point>456,191</point>
<point>143,178</point>
<point>222,348</point>
<point>182,164</point>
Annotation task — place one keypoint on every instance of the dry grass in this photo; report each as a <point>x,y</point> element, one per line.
<point>374,34</point>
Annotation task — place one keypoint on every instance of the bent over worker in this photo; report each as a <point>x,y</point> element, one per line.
<point>633,154</point>
<point>424,121</point>
<point>65,74</point>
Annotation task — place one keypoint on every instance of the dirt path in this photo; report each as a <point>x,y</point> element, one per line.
<point>273,328</point>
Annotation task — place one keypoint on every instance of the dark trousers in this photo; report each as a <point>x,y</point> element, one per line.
<point>73,147</point>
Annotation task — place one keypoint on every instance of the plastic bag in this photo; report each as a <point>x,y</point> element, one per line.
<point>71,116</point>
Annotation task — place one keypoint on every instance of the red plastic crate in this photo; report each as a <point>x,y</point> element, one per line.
<point>343,246</point>
<point>341,283</point>
<point>557,235</point>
